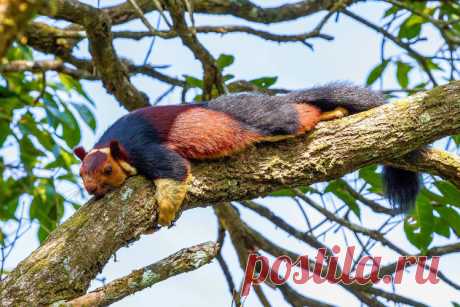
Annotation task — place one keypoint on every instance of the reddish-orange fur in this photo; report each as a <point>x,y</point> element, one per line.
<point>309,116</point>
<point>199,133</point>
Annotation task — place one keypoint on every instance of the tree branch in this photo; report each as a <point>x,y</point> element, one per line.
<point>113,72</point>
<point>243,9</point>
<point>98,229</point>
<point>434,251</point>
<point>246,239</point>
<point>280,38</point>
<point>44,66</point>
<point>433,161</point>
<point>212,75</point>
<point>422,61</point>
<point>372,233</point>
<point>185,260</point>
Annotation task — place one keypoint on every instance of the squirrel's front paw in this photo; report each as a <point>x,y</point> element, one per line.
<point>337,113</point>
<point>169,195</point>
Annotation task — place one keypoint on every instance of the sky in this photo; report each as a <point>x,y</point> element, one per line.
<point>352,54</point>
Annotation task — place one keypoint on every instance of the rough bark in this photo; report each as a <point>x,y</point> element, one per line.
<point>77,250</point>
<point>438,162</point>
<point>185,260</point>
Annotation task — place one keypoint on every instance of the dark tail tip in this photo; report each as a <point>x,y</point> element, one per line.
<point>401,188</point>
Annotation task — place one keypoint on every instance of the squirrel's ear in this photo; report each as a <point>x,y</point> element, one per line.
<point>116,151</point>
<point>80,152</point>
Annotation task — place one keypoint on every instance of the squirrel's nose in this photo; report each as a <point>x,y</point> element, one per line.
<point>91,189</point>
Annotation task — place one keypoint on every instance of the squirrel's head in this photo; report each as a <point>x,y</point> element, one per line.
<point>104,169</point>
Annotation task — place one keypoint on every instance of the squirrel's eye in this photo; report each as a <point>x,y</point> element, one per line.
<point>108,170</point>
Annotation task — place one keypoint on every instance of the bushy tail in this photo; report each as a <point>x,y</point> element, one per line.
<point>400,186</point>
<point>339,94</point>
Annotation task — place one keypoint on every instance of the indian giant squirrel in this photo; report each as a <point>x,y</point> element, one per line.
<point>158,142</point>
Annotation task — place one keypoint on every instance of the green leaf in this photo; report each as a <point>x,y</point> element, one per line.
<point>193,82</point>
<point>338,189</point>
<point>376,72</point>
<point>228,77</point>
<point>72,84</point>
<point>62,159</point>
<point>43,233</point>
<point>420,233</point>
<point>28,125</point>
<point>432,65</point>
<point>19,52</point>
<point>433,198</point>
<point>86,114</point>
<point>451,216</point>
<point>70,129</point>
<point>5,131</point>
<point>409,32</point>
<point>441,227</point>
<point>402,73</point>
<point>370,175</point>
<point>415,238</point>
<point>68,177</point>
<point>283,193</point>
<point>225,60</point>
<point>29,153</point>
<point>8,208</point>
<point>411,27</point>
<point>47,208</point>
<point>456,139</point>
<point>290,192</point>
<point>449,191</point>
<point>415,20</point>
<point>7,93</point>
<point>391,11</point>
<point>424,216</point>
<point>2,238</point>
<point>264,82</point>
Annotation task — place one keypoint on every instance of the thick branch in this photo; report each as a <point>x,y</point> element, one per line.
<point>55,271</point>
<point>434,161</point>
<point>242,8</point>
<point>53,40</point>
<point>185,260</point>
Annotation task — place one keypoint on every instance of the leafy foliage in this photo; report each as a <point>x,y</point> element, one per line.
<point>39,125</point>
<point>408,23</point>
<point>224,61</point>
